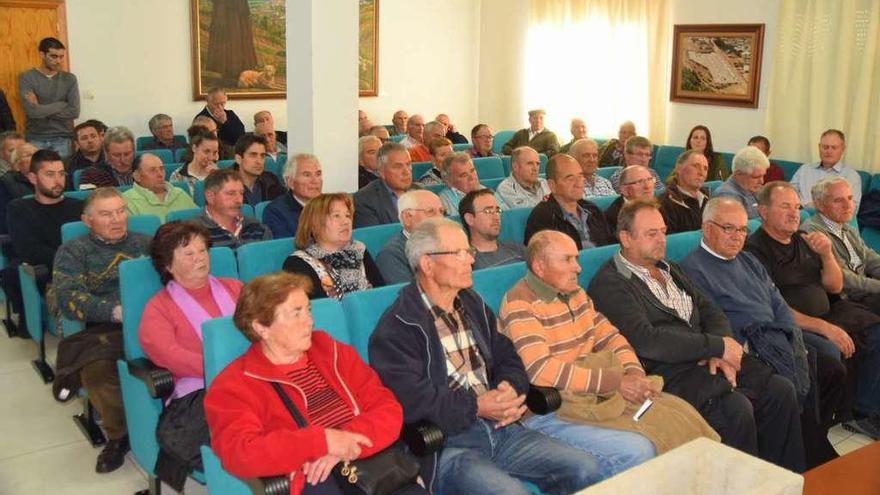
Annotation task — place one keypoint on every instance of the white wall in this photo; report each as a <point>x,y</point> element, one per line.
<point>731,126</point>
<point>503,27</point>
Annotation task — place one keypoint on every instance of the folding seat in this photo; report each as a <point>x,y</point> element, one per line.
<point>501,138</point>
<point>491,183</point>
<point>679,245</point>
<point>489,167</point>
<point>363,309</point>
<point>592,259</point>
<point>182,214</point>
<point>607,172</point>
<point>603,202</point>
<point>170,168</point>
<point>260,208</point>
<point>788,167</point>
<point>712,185</point>
<point>225,163</point>
<point>259,258</point>
<point>419,169</point>
<point>462,146</point>
<point>513,224</point>
<point>866,181</point>
<point>664,160</point>
<point>375,236</point>
<point>492,283</point>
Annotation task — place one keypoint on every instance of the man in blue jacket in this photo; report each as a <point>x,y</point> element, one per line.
<point>437,347</point>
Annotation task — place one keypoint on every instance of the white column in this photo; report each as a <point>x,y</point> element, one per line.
<point>322,86</point>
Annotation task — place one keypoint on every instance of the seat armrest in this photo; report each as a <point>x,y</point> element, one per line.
<point>422,438</point>
<point>158,380</point>
<point>543,400</point>
<point>270,485</point>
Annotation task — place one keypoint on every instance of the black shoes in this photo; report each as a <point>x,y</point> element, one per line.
<point>113,456</point>
<point>869,426</point>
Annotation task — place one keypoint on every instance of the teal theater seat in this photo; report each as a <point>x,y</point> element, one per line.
<point>603,202</point>
<point>592,259</point>
<point>513,224</point>
<point>788,167</point>
<point>489,167</point>
<point>375,236</point>
<point>259,258</point>
<point>607,172</point>
<point>420,168</point>
<point>492,283</point>
<point>679,245</point>
<point>501,138</point>
<point>170,168</point>
<point>363,310</point>
<point>462,146</point>
<point>664,160</point>
<point>491,183</point>
<point>260,208</point>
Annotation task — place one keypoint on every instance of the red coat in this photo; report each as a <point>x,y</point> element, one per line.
<point>254,435</point>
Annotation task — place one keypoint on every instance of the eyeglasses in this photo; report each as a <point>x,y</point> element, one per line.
<point>646,180</point>
<point>461,254</point>
<point>730,229</point>
<point>491,210</point>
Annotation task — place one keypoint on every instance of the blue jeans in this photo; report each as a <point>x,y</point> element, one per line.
<point>483,460</point>
<point>614,450</point>
<point>60,144</point>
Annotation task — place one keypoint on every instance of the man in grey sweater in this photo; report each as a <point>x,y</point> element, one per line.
<point>50,98</point>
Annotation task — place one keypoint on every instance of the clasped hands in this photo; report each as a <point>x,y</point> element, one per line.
<point>501,404</point>
<point>341,446</point>
<point>729,363</point>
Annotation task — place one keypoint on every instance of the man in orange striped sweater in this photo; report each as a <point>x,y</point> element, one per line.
<point>552,323</point>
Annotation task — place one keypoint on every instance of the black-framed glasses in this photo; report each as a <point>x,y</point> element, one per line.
<point>458,253</point>
<point>730,229</point>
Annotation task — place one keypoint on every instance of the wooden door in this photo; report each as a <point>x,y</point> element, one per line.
<point>23,23</point>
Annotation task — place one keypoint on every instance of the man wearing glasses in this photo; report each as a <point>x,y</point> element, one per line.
<point>637,151</point>
<point>749,167</point>
<point>481,137</point>
<point>636,182</point>
<point>413,207</point>
<point>481,218</point>
<point>758,314</point>
<point>681,204</point>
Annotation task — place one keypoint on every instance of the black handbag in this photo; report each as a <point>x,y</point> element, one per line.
<point>383,473</point>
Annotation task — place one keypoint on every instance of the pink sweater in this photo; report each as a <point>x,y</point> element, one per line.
<point>166,335</point>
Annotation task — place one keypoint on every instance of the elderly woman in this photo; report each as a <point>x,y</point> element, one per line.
<point>326,252</point>
<point>171,328</point>
<point>204,146</point>
<point>348,413</point>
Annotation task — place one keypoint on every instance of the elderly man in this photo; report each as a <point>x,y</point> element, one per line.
<point>805,269</point>
<point>460,177</point>
<point>368,147</point>
<point>451,133</point>
<point>682,336</point>
<point>364,123</point>
<point>586,152</point>
<point>273,147</point>
<point>737,282</point>
<point>376,204</point>
<point>224,195</point>
<point>481,217</point>
<point>9,140</point>
<point>419,152</point>
<point>250,160</point>
<point>832,146</point>
<point>89,150</point>
<point>381,132</point>
<point>482,138</point>
<point>523,188</point>
<point>304,179</point>
<point>535,136</point>
<point>398,123</point>
<point>637,151</point>
<point>578,132</point>
<point>85,283</point>
<point>611,153</point>
<point>151,194</point>
<point>413,206</point>
<point>552,323</point>
<point>229,126</point>
<point>14,183</point>
<point>264,120</point>
<point>438,349</point>
<point>440,148</point>
<point>566,210</point>
<point>749,169</point>
<point>162,128</point>
<point>635,183</point>
<point>774,171</point>
<point>681,204</point>
<point>415,133</point>
<point>119,153</point>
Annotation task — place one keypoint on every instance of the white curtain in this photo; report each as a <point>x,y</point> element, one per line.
<point>826,75</point>
<point>605,61</point>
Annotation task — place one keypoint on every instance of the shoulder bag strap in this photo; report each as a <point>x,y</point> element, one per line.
<point>289,405</point>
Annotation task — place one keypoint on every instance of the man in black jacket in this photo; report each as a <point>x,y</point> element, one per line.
<point>565,209</point>
<point>682,336</point>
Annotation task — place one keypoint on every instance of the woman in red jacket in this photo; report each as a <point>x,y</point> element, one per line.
<point>348,412</point>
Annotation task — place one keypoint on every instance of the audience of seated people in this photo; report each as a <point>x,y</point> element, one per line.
<point>162,128</point>
<point>832,147</point>
<point>85,284</point>
<point>376,204</point>
<point>482,138</point>
<point>202,161</point>
<point>759,317</point>
<point>398,123</point>
<point>437,347</point>
<point>611,153</point>
<point>116,169</point>
<point>368,147</point>
<point>9,140</point>
<point>681,204</point>
<point>578,131</point>
<point>586,152</point>
<point>229,126</point>
<point>637,151</point>
<point>460,177</point>
<point>774,171</point>
<point>304,179</point>
<point>222,216</point>
<point>535,136</point>
<point>481,218</point>
<point>451,134</point>
<point>750,166</point>
<point>326,253</point>
<point>89,152</point>
<point>151,194</point>
<point>635,183</point>
<point>439,148</point>
<point>250,161</point>
<point>413,207</point>
<point>415,137</point>
<point>681,335</point>
<point>566,210</point>
<point>523,188</point>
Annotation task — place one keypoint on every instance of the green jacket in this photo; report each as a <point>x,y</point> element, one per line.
<point>863,280</point>
<point>543,142</point>
<point>142,201</point>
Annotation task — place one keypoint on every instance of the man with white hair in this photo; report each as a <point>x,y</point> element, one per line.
<point>523,188</point>
<point>460,177</point>
<point>578,132</point>
<point>536,136</point>
<point>368,147</point>
<point>302,174</point>
<point>398,123</point>
<point>451,134</point>
<point>586,152</point>
<point>162,128</point>
<point>376,204</point>
<point>749,167</point>
<point>413,207</point>
<point>415,138</point>
<point>263,120</point>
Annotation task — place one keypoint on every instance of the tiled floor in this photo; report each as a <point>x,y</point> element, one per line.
<point>42,450</point>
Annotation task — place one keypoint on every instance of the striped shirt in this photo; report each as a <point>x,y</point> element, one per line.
<point>670,295</point>
<point>551,331</point>
<point>854,262</point>
<point>324,406</point>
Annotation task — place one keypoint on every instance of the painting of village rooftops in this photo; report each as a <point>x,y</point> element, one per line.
<point>718,64</point>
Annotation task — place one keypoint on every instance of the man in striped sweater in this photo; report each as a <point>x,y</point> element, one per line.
<point>552,323</point>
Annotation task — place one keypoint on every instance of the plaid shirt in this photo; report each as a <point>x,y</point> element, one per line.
<point>854,262</point>
<point>669,294</point>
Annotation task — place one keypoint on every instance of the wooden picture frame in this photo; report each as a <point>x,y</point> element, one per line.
<point>368,48</point>
<point>717,64</point>
<point>249,61</point>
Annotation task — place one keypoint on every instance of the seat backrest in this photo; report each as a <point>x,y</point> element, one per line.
<point>76,176</point>
<point>501,138</point>
<point>505,162</point>
<point>419,169</point>
<point>170,168</point>
<point>489,167</point>
<point>712,185</point>
<point>679,245</point>
<point>258,211</point>
<point>664,160</point>
<point>491,183</point>
<point>513,224</point>
<point>80,195</point>
<point>492,283</point>
<point>788,167</point>
<point>435,188</point>
<point>603,202</point>
<point>543,159</point>
<point>225,163</point>
<point>397,138</point>
<point>199,193</point>
<point>247,210</point>
<point>592,259</point>
<point>258,258</point>
<point>363,310</point>
<point>866,181</point>
<point>178,154</point>
<point>33,302</point>
<point>375,236</point>
<point>607,172</point>
<point>182,214</point>
<point>462,146</point>
<point>145,224</point>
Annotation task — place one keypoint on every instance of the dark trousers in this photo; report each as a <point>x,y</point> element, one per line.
<point>763,422</point>
<point>101,380</point>
<point>830,385</point>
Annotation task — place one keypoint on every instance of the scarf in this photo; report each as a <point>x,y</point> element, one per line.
<point>196,314</point>
<point>345,268</point>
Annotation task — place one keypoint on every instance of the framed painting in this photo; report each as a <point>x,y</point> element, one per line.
<point>368,51</point>
<point>240,46</point>
<point>717,64</point>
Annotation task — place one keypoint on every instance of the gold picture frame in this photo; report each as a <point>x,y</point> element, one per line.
<point>368,48</point>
